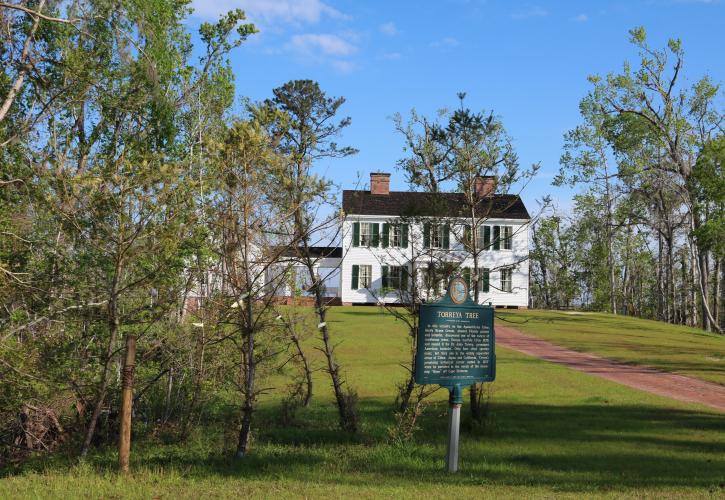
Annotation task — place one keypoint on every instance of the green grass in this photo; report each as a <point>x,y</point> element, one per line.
<point>551,432</point>
<point>687,351</point>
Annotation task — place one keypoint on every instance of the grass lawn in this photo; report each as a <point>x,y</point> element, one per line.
<point>550,432</point>
<point>672,348</point>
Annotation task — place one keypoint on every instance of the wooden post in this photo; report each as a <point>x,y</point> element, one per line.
<point>124,439</point>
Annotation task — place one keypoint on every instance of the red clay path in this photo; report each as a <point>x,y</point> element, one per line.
<point>639,377</point>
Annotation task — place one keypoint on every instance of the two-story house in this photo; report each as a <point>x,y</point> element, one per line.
<point>391,236</point>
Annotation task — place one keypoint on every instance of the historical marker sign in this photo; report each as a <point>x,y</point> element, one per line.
<point>456,342</point>
<point>455,348</point>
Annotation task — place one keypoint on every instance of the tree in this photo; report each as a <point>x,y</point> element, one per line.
<point>246,211</point>
<point>461,150</point>
<point>305,137</point>
<point>647,108</point>
<point>586,160</point>
<point>110,181</point>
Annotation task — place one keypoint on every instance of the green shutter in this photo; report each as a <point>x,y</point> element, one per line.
<point>467,236</point>
<point>385,277</point>
<point>386,235</point>
<point>426,235</point>
<point>487,237</point>
<point>496,237</point>
<point>467,276</point>
<point>485,274</point>
<point>355,276</point>
<point>376,235</point>
<point>404,278</point>
<point>356,234</point>
<point>446,236</point>
<point>404,236</point>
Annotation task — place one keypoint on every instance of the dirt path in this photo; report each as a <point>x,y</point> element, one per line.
<point>639,377</point>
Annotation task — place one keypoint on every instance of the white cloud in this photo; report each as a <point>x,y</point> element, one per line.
<point>343,66</point>
<point>446,42</point>
<point>392,56</point>
<point>289,11</point>
<point>325,49</point>
<point>529,11</point>
<point>321,44</point>
<point>388,29</point>
<point>581,18</point>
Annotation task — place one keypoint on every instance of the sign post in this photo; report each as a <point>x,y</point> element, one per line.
<point>455,348</point>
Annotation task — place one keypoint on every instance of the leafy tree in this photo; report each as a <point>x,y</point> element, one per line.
<point>647,111</point>
<point>459,150</point>
<point>305,137</point>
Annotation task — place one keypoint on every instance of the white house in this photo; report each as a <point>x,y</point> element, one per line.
<point>390,237</point>
<point>389,234</point>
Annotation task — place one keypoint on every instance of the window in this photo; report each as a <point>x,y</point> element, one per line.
<point>502,237</point>
<point>484,238</point>
<point>484,276</point>
<point>366,276</point>
<point>366,234</point>
<point>396,235</point>
<point>436,235</point>
<point>506,279</point>
<point>497,237</point>
<point>362,276</point>
<point>395,278</point>
<point>506,233</point>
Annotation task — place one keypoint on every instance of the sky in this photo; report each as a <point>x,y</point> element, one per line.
<point>527,62</point>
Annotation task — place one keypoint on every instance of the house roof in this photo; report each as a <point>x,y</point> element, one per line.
<point>413,203</point>
<point>316,252</point>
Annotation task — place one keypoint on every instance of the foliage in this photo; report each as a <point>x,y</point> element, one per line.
<point>646,153</point>
<point>552,432</point>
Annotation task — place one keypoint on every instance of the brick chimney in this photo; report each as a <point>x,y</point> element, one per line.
<point>485,186</point>
<point>380,183</point>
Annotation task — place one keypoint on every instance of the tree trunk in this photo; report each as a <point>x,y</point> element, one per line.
<point>704,277</point>
<point>307,369</point>
<point>113,327</point>
<point>248,369</point>
<point>693,319</point>
<point>348,421</point>
<point>671,291</point>
<point>124,440</point>
<point>661,281</point>
<point>716,291</point>
<point>722,294</point>
<point>169,387</point>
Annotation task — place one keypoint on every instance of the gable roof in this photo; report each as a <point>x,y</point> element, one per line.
<point>315,252</point>
<point>413,203</point>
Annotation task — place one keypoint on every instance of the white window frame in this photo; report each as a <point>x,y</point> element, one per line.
<point>507,284</point>
<point>436,235</point>
<point>365,276</point>
<point>366,234</point>
<point>506,237</point>
<point>395,235</point>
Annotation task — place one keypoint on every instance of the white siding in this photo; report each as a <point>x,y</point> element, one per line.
<point>492,259</point>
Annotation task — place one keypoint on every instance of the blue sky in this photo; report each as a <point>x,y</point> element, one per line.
<point>526,61</point>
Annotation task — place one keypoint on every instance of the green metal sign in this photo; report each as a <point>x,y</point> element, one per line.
<point>456,341</point>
